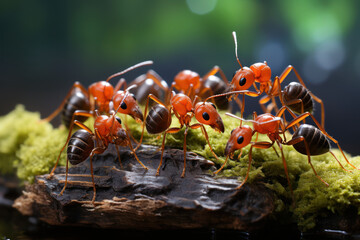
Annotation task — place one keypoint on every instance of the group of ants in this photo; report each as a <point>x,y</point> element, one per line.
<point>192,96</point>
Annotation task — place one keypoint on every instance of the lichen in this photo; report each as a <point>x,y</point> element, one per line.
<point>30,147</point>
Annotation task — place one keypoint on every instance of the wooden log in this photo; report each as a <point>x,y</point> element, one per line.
<point>130,197</point>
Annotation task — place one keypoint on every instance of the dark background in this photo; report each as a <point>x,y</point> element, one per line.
<point>47,45</point>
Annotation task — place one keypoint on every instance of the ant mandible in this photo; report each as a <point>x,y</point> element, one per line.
<point>97,96</point>
<point>307,139</point>
<point>260,73</point>
<point>160,116</point>
<point>85,143</point>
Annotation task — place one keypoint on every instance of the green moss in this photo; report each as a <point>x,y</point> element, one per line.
<point>30,147</point>
<point>27,145</point>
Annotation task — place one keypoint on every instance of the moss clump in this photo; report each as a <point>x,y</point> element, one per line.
<point>31,147</point>
<point>27,145</point>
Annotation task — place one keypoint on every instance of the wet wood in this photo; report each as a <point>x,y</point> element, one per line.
<point>130,197</point>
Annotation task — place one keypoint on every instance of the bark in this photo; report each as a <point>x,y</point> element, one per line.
<point>129,197</point>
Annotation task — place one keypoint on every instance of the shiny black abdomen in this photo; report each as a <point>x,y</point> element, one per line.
<point>80,146</point>
<point>317,141</point>
<point>158,119</point>
<point>217,86</point>
<point>76,101</point>
<point>295,91</point>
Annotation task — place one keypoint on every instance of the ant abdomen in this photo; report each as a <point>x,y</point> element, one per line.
<point>295,91</point>
<point>80,146</point>
<point>158,119</point>
<point>76,101</point>
<point>317,142</point>
<point>218,86</point>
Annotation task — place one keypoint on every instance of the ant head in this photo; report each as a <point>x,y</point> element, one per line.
<point>206,113</point>
<point>243,79</point>
<point>181,104</point>
<point>240,137</point>
<point>127,104</point>
<point>262,72</point>
<point>102,93</point>
<point>184,79</point>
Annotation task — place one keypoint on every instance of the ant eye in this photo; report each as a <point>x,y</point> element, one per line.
<point>131,94</point>
<point>118,119</point>
<point>206,116</point>
<point>232,131</point>
<point>213,105</point>
<point>240,139</point>
<point>242,81</point>
<point>123,105</point>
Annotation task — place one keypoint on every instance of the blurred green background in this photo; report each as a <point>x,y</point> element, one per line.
<point>47,45</point>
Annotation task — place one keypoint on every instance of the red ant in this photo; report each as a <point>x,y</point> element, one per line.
<point>191,84</point>
<point>159,119</point>
<point>97,96</point>
<point>260,73</point>
<point>307,139</point>
<point>107,129</point>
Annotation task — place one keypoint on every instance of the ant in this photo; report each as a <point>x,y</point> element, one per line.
<point>97,96</point>
<point>85,143</point>
<point>307,139</point>
<point>191,84</point>
<point>260,73</point>
<point>160,116</point>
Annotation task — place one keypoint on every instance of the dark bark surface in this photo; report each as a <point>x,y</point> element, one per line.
<point>129,197</point>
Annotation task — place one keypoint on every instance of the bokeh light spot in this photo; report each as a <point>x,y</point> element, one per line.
<point>313,72</point>
<point>330,54</point>
<point>201,6</point>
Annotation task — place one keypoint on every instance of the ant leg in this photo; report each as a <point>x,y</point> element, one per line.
<point>97,150</point>
<point>285,168</point>
<point>76,85</point>
<point>170,130</point>
<point>222,166</point>
<point>157,79</point>
<point>302,139</point>
<point>133,151</point>
<point>199,125</point>
<point>261,145</point>
<point>185,134</point>
<point>213,71</point>
<point>263,101</point>
<point>118,154</point>
<point>66,177</point>
<point>248,170</point>
<point>339,161</point>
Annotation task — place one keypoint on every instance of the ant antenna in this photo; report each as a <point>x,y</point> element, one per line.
<point>235,40</point>
<point>130,69</point>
